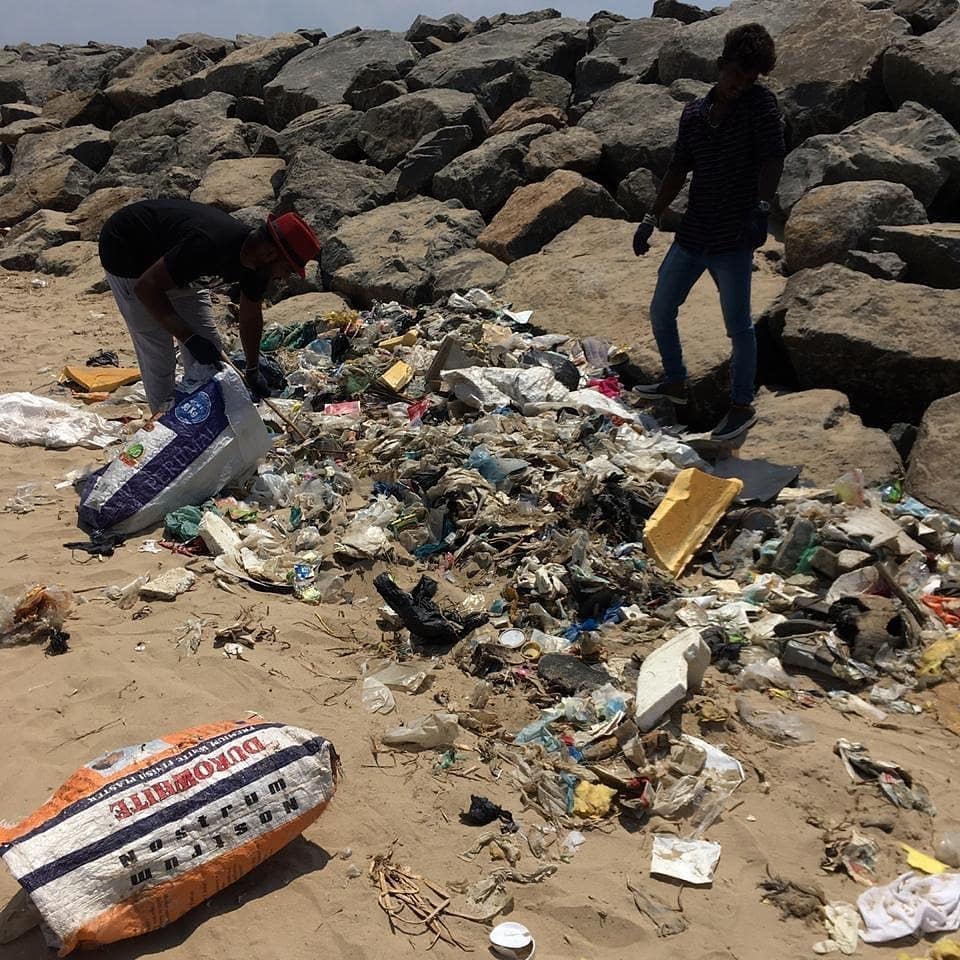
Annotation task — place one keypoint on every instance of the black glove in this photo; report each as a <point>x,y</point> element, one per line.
<point>257,383</point>
<point>203,350</point>
<point>641,239</point>
<point>756,229</point>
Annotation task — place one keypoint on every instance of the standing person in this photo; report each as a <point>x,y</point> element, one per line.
<point>154,249</point>
<point>732,140</point>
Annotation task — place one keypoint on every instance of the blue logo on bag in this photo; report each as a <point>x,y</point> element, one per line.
<point>194,409</point>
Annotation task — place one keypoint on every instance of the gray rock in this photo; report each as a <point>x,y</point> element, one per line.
<point>528,17</point>
<point>925,69</point>
<point>903,436</point>
<point>484,177</point>
<point>637,192</point>
<point>535,214</point>
<point>673,216</point>
<point>314,35</point>
<point>322,74</point>
<point>22,81</point>
<point>157,81</point>
<point>11,112</point>
<point>234,184</point>
<point>324,190</point>
<point>601,23</point>
<point>573,148</point>
<point>388,132</point>
<point>446,28</point>
<point>88,144</point>
<point>881,266</point>
<point>888,346</point>
<point>86,71</point>
<point>252,217</point>
<point>250,110</point>
<point>11,134</point>
<point>677,10</point>
<point>68,258</point>
<point>553,46</point>
<point>428,155</point>
<point>628,50</point>
<point>58,185</point>
<point>94,211</point>
<point>815,429</point>
<point>525,113</point>
<point>169,147</point>
<point>931,251</point>
<point>693,51</point>
<point>6,160</point>
<point>914,146</point>
<point>933,477</point>
<point>332,128</point>
<point>637,123</point>
<point>830,220</point>
<point>828,66</point>
<point>925,15</point>
<point>244,72</point>
<point>686,91</point>
<point>260,140</point>
<point>78,108</point>
<point>367,96</point>
<point>465,270</point>
<point>521,82</point>
<point>216,48</point>
<point>393,253</point>
<point>29,238</point>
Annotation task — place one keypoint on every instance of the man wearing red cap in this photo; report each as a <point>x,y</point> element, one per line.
<point>155,251</point>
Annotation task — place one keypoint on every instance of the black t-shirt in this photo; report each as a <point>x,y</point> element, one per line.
<point>195,240</point>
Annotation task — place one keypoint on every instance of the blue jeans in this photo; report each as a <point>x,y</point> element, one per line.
<point>731,272</point>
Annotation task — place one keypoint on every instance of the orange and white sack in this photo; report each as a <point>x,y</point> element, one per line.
<point>138,837</point>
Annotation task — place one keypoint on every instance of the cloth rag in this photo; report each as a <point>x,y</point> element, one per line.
<point>913,904</point>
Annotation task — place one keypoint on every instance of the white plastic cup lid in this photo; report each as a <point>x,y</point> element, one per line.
<point>512,639</point>
<point>509,937</point>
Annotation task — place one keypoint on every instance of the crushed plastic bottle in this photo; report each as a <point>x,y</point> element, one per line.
<point>948,849</point>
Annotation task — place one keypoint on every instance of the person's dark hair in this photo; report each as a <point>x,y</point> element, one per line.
<point>262,235</point>
<point>751,47</point>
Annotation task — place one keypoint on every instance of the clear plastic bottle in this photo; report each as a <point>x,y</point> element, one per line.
<point>948,849</point>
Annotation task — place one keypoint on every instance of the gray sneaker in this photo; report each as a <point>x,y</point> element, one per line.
<point>674,392</point>
<point>736,423</point>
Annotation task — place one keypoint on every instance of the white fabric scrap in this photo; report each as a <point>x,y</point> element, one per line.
<point>911,905</point>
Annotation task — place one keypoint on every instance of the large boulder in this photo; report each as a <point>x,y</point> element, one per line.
<point>87,68</point>
<point>333,128</point>
<point>553,46</point>
<point>637,193</point>
<point>930,250</point>
<point>306,306</point>
<point>156,81</point>
<point>446,29</point>
<point>693,51</point>
<point>79,107</point>
<point>925,15</point>
<point>430,154</point>
<point>830,220</point>
<point>483,178</point>
<point>322,74</point>
<point>11,112</point>
<point>88,144</point>
<point>389,131</point>
<point>933,477</point>
<point>465,270</point>
<point>14,132</point>
<point>914,146</point>
<point>535,214</point>
<point>245,72</point>
<point>630,49</point>
<point>684,12</point>
<point>573,148</point>
<point>324,190</point>
<point>589,277</point>
<point>94,211</point>
<point>59,185</point>
<point>169,148</point>
<point>637,123</point>
<point>393,253</point>
<point>828,66</point>
<point>374,84</point>
<point>519,84</point>
<point>925,69</point>
<point>22,80</point>
<point>234,184</point>
<point>67,258</point>
<point>816,430</point>
<point>29,238</point>
<point>528,111</point>
<point>888,346</point>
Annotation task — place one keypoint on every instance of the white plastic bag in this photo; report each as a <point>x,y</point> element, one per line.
<point>28,419</point>
<point>433,730</point>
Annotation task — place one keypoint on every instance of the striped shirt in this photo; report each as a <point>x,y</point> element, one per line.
<point>726,164</point>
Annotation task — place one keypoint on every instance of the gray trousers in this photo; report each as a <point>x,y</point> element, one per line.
<point>155,348</point>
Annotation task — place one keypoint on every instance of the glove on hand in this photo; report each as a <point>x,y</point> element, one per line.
<point>203,350</point>
<point>257,383</point>
<point>641,239</point>
<point>756,228</point>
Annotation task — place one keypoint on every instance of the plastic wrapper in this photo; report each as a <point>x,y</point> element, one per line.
<point>28,419</point>
<point>377,697</point>
<point>141,835</point>
<point>425,733</point>
<point>763,675</point>
<point>780,727</point>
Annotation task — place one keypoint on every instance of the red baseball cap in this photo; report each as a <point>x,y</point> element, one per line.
<point>297,242</point>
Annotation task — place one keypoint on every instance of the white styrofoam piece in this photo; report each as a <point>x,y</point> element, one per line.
<point>667,674</point>
<point>218,536</point>
<point>692,861</point>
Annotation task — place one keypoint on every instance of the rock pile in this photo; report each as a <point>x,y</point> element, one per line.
<point>507,152</point>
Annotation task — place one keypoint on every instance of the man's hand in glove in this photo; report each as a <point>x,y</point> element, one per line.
<point>641,239</point>
<point>204,351</point>
<point>757,225</point>
<point>257,383</point>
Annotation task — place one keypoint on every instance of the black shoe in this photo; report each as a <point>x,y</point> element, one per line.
<point>737,422</point>
<point>674,392</point>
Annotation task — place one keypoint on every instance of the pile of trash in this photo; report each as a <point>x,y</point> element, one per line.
<point>528,520</point>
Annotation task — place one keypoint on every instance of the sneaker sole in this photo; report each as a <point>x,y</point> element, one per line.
<point>719,437</point>
<point>676,401</point>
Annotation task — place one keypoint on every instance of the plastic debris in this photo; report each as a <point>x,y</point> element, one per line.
<point>691,861</point>
<point>28,419</point>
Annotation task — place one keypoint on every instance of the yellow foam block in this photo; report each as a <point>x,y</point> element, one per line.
<point>923,861</point>
<point>398,376</point>
<point>686,515</point>
<point>407,339</point>
<point>101,379</point>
